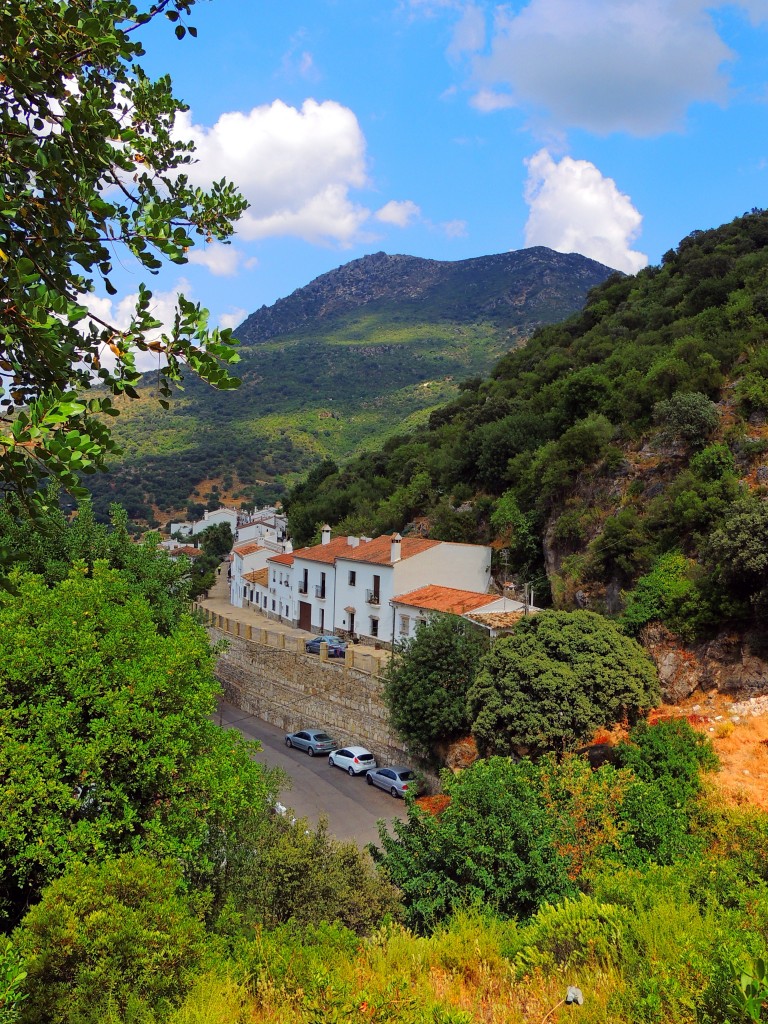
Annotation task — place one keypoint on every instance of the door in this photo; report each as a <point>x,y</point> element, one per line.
<point>305,616</point>
<point>376,589</point>
<point>351,622</point>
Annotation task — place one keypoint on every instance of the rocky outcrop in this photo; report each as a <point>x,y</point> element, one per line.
<point>730,663</point>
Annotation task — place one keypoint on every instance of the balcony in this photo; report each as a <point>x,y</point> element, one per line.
<point>319,592</point>
<point>372,597</point>
<point>302,588</point>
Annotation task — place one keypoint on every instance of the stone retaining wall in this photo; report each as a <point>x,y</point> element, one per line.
<point>294,690</point>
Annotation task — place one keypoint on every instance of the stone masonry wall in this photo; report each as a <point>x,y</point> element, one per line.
<point>294,690</point>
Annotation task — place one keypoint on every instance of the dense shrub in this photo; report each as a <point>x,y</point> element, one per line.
<point>554,680</point>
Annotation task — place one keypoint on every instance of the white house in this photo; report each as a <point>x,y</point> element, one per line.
<point>219,515</point>
<point>369,578</point>
<point>278,601</point>
<point>267,527</point>
<point>246,558</point>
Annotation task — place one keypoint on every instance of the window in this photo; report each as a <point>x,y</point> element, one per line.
<point>374,627</point>
<point>352,577</point>
<point>273,604</point>
<point>405,623</point>
<point>265,600</point>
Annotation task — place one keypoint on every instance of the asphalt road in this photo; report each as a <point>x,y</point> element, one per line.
<point>351,806</point>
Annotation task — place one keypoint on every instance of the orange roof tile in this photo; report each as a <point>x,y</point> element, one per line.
<point>500,620</point>
<point>260,576</point>
<point>247,549</point>
<point>379,550</point>
<point>336,547</point>
<point>286,558</point>
<point>186,549</point>
<point>445,599</point>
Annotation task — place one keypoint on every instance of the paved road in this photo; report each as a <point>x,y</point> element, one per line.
<point>351,806</point>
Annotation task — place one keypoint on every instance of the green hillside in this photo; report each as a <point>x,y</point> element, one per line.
<point>365,350</point>
<point>625,444</point>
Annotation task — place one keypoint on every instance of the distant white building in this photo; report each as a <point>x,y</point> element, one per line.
<point>219,515</point>
<point>246,559</point>
<point>494,613</point>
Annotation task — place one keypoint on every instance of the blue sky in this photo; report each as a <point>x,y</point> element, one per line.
<point>451,129</point>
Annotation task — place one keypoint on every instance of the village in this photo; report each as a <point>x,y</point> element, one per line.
<point>373,591</point>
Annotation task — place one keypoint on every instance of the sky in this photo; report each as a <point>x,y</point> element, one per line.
<point>449,130</point>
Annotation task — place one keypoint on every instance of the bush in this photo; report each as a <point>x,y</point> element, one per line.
<point>106,937</point>
<point>686,418</point>
<point>554,680</point>
<point>661,594</point>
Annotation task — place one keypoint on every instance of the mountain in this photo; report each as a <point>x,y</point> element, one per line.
<point>362,351</point>
<point>620,458</point>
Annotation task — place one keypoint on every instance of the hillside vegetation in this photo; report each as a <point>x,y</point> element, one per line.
<point>620,450</point>
<point>337,366</point>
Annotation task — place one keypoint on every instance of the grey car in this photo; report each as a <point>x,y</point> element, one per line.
<point>396,779</point>
<point>314,741</point>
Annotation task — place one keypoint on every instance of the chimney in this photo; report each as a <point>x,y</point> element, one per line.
<point>325,533</point>
<point>353,542</point>
<point>396,549</point>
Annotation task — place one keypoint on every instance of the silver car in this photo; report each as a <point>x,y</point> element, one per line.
<point>355,760</point>
<point>397,779</point>
<point>314,741</point>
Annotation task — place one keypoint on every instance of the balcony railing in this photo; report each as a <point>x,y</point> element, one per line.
<point>372,597</point>
<point>320,591</point>
<point>302,588</point>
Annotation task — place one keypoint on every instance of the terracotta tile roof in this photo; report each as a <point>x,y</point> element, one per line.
<point>286,558</point>
<point>186,549</point>
<point>379,550</point>
<point>260,576</point>
<point>336,547</point>
<point>247,549</point>
<point>445,599</point>
<point>499,620</point>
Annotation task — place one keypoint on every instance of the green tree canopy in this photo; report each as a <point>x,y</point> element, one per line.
<point>106,738</point>
<point>554,680</point>
<point>428,679</point>
<point>91,173</point>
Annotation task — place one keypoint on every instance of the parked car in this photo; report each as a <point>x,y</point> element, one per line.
<point>314,741</point>
<point>396,779</point>
<point>355,760</point>
<point>336,648</point>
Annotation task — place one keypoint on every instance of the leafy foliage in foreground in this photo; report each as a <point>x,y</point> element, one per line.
<point>106,741</point>
<point>90,169</point>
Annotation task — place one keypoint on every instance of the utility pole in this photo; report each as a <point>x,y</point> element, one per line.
<point>505,564</point>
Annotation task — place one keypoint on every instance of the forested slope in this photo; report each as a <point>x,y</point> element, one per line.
<point>622,450</point>
<point>337,366</point>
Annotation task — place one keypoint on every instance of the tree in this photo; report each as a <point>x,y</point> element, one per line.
<point>554,680</point>
<point>107,743</point>
<point>688,418</point>
<point>91,172</point>
<point>738,551</point>
<point>427,681</point>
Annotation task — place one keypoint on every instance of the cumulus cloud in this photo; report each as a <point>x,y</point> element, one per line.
<point>573,208</point>
<point>295,166</point>
<point>401,214</point>
<point>222,260</point>
<point>608,65</point>
<point>233,319</point>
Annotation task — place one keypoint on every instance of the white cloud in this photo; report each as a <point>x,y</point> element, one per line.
<point>162,307</point>
<point>454,228</point>
<point>295,166</point>
<point>488,100</point>
<point>609,65</point>
<point>233,319</point>
<point>401,214</point>
<point>573,208</point>
<point>222,260</point>
<point>469,32</point>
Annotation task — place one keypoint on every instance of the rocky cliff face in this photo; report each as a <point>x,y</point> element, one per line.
<point>730,664</point>
<point>538,282</point>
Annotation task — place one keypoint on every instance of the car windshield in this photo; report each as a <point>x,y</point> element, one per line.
<point>323,736</point>
<point>405,776</point>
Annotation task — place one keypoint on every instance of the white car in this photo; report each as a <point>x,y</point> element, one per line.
<point>354,760</point>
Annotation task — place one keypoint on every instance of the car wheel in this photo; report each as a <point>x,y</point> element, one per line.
<point>393,792</point>
<point>311,751</point>
<point>288,741</point>
<point>369,780</point>
<point>350,770</point>
<point>330,761</point>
